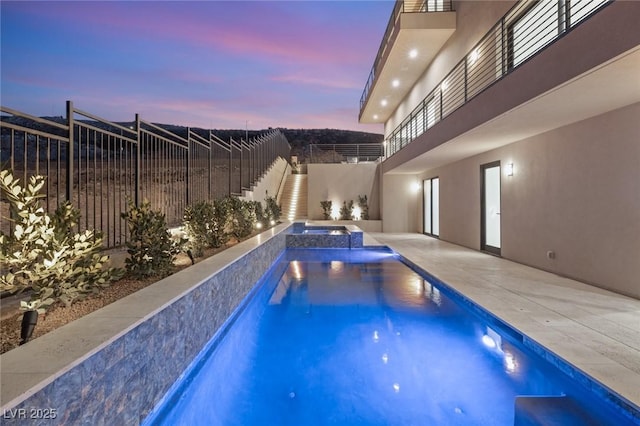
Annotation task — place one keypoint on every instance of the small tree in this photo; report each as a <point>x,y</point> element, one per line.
<point>364,207</point>
<point>151,249</point>
<point>44,255</point>
<point>326,209</point>
<point>346,211</point>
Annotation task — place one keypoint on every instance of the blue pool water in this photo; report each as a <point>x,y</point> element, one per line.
<point>356,337</point>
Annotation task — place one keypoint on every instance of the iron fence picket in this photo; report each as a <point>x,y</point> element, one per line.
<point>100,166</point>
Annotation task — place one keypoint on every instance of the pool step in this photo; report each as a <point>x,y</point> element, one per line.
<point>550,411</point>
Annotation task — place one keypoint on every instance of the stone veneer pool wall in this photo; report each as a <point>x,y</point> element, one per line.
<point>122,379</point>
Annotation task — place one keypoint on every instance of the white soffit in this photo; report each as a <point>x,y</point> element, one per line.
<point>425,33</point>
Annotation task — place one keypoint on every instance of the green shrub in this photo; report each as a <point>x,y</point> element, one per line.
<point>272,210</point>
<point>150,247</point>
<point>261,213</point>
<point>197,226</point>
<point>346,211</point>
<point>242,216</point>
<point>218,226</point>
<point>326,209</point>
<point>364,207</point>
<point>44,255</point>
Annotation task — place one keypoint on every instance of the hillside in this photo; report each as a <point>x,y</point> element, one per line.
<point>300,139</point>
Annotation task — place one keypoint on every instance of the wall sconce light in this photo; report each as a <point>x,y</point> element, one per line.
<point>508,169</point>
<point>415,187</point>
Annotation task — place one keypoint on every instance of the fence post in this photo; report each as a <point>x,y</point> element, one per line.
<point>230,165</point>
<point>70,152</point>
<point>187,180</point>
<point>138,161</point>
<point>210,178</point>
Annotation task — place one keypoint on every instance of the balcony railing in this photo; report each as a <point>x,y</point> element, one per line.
<point>528,28</point>
<point>99,165</point>
<point>401,6</point>
<point>345,153</point>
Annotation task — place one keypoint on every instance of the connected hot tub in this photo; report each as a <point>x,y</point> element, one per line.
<point>304,235</point>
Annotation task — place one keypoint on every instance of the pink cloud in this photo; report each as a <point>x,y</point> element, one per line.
<point>306,79</point>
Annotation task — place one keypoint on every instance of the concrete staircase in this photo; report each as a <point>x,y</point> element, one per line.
<point>294,197</point>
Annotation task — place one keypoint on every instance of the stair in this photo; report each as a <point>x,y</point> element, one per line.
<point>294,197</point>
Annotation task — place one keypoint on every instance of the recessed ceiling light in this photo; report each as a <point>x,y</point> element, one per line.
<point>395,83</point>
<point>375,116</point>
<point>383,102</point>
<point>413,53</point>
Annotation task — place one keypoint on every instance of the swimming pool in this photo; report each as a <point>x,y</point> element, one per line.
<point>358,337</point>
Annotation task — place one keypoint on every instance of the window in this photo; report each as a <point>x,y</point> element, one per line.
<point>580,9</point>
<point>536,26</point>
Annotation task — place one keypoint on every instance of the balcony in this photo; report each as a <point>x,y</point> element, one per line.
<point>416,31</point>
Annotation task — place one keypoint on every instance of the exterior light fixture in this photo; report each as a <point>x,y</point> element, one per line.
<point>259,225</point>
<point>383,102</point>
<point>273,222</point>
<point>413,53</point>
<point>395,83</point>
<point>508,169</point>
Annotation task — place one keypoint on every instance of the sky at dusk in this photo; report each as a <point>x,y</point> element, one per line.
<point>210,64</point>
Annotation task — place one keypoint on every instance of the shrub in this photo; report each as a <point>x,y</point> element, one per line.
<point>272,211</point>
<point>364,207</point>
<point>150,247</point>
<point>326,209</point>
<point>241,217</point>
<point>44,255</point>
<point>218,225</point>
<point>346,211</point>
<point>261,214</point>
<point>197,226</point>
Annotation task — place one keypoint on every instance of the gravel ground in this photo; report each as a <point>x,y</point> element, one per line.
<point>60,315</point>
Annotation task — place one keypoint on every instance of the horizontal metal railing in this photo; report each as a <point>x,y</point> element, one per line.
<point>400,7</point>
<point>345,153</point>
<point>525,30</point>
<point>100,165</point>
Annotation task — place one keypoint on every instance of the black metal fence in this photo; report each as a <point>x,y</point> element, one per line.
<point>107,164</point>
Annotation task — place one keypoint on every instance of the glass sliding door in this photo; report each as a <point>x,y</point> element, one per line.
<point>431,194</point>
<point>490,208</point>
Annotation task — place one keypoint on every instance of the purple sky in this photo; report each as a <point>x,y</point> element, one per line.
<point>211,64</point>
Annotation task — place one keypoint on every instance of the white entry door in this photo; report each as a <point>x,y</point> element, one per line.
<point>490,240</point>
<point>431,188</point>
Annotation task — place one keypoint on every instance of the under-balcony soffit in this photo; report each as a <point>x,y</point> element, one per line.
<point>414,44</point>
